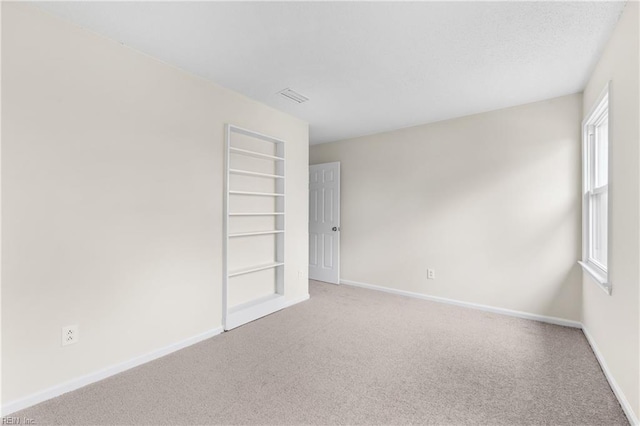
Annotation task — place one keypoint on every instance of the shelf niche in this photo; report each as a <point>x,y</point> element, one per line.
<point>254,226</point>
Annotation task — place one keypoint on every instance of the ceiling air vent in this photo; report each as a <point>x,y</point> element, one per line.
<point>293,95</point>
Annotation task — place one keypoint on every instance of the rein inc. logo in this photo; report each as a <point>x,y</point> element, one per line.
<point>18,421</point>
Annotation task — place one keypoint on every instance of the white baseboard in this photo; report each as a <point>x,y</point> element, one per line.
<point>503,311</point>
<point>626,407</point>
<point>258,309</point>
<point>296,300</point>
<point>71,385</point>
<point>253,310</point>
<point>85,380</point>
<point>54,391</point>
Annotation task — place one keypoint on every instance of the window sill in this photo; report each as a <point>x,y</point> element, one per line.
<point>598,277</point>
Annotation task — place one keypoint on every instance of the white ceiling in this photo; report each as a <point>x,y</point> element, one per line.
<point>368,67</point>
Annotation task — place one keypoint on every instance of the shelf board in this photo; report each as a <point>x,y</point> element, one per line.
<point>249,234</point>
<point>257,214</point>
<point>250,173</point>
<point>264,194</point>
<point>254,154</point>
<point>254,269</point>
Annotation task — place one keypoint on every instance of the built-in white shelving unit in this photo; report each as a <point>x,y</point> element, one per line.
<point>253,276</point>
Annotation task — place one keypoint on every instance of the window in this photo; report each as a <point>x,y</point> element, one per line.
<point>595,183</point>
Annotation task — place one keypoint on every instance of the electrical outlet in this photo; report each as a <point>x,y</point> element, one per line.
<point>301,275</point>
<point>431,274</point>
<point>70,335</point>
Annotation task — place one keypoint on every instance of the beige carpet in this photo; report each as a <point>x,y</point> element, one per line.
<point>355,356</point>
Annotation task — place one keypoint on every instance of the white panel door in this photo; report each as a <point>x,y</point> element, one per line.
<point>324,222</point>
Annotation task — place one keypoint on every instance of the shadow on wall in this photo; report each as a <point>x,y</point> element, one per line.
<point>492,203</point>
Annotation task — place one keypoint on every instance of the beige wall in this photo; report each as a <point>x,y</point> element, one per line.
<point>490,201</point>
<point>112,180</point>
<point>614,321</point>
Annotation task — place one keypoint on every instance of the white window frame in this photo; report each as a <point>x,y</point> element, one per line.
<point>597,271</point>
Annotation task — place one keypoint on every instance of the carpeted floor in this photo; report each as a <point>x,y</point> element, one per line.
<point>355,356</point>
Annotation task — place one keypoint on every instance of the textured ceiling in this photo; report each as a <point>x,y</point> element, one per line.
<point>368,67</point>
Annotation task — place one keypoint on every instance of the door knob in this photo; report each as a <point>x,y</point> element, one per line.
<point>335,228</point>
